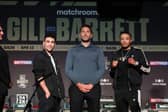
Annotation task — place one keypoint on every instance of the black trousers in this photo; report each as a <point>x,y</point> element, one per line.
<point>52,104</point>
<point>127,99</point>
<point>2,101</point>
<point>77,99</point>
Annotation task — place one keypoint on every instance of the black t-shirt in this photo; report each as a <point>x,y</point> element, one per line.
<point>122,77</point>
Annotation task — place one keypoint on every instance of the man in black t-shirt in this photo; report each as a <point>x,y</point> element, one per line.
<point>127,67</point>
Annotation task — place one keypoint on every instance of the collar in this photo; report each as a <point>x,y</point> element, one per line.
<point>46,54</point>
<point>91,45</point>
<point>126,50</point>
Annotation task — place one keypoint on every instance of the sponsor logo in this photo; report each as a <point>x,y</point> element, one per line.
<point>105,81</point>
<point>159,82</point>
<point>22,81</point>
<point>21,100</point>
<point>22,62</point>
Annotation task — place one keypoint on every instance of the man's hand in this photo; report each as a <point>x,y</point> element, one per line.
<point>47,94</point>
<point>84,87</point>
<point>45,89</point>
<point>131,61</point>
<point>114,63</point>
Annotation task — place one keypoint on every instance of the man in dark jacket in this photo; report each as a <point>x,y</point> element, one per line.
<point>127,67</point>
<point>4,73</point>
<point>47,74</point>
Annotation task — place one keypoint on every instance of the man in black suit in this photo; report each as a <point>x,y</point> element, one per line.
<point>48,75</point>
<point>4,73</point>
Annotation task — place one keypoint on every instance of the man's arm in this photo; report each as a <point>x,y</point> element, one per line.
<point>100,71</point>
<point>69,66</point>
<point>113,64</point>
<point>141,63</point>
<point>144,65</point>
<point>45,89</point>
<point>39,71</point>
<point>101,66</point>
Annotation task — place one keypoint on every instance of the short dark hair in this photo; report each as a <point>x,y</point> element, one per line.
<point>125,32</point>
<point>88,26</point>
<point>49,35</point>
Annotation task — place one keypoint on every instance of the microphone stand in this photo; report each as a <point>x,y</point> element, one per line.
<point>29,105</point>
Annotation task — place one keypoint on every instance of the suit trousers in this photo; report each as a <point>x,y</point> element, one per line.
<point>52,104</point>
<point>92,99</point>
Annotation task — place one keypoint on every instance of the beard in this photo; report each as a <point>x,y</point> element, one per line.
<point>85,41</point>
<point>126,47</point>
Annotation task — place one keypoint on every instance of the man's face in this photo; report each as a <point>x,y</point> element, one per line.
<point>125,40</point>
<point>49,44</point>
<point>1,33</point>
<point>85,34</point>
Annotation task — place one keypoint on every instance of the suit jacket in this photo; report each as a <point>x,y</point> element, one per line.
<point>4,72</point>
<point>42,67</point>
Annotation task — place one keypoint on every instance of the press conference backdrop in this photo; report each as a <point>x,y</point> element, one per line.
<point>25,23</point>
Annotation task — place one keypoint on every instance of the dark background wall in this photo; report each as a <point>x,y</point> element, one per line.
<point>25,24</point>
